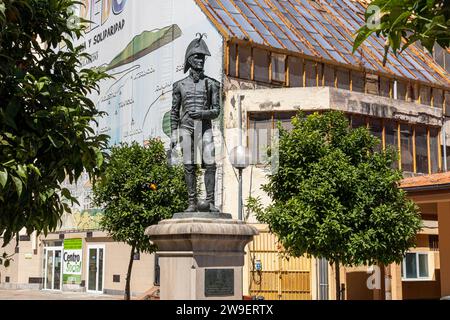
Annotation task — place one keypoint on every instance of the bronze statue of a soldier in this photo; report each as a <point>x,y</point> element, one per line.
<point>196,101</point>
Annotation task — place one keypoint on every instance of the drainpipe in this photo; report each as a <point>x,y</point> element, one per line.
<point>444,144</point>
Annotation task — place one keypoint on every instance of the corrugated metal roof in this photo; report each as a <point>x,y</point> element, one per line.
<point>322,29</point>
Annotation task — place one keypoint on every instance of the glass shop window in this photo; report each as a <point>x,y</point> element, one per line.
<point>261,65</point>
<point>343,79</point>
<point>245,62</point>
<point>310,74</point>
<point>434,149</point>
<point>425,95</point>
<point>385,87</point>
<point>260,133</point>
<point>401,90</point>
<point>278,67</point>
<point>406,145</point>
<point>438,98</point>
<point>232,60</point>
<point>358,121</point>
<point>391,136</point>
<point>421,150</point>
<point>295,72</point>
<point>328,74</point>
<point>357,81</point>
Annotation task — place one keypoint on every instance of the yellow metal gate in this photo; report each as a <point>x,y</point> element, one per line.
<point>274,276</point>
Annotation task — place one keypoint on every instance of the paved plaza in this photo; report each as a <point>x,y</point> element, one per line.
<point>53,295</point>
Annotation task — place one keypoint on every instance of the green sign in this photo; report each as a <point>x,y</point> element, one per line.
<point>72,261</point>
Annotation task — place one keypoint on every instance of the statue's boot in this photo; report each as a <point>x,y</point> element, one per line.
<point>210,185</point>
<point>191,183</point>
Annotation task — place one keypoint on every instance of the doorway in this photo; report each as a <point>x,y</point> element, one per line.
<point>52,268</point>
<point>96,268</point>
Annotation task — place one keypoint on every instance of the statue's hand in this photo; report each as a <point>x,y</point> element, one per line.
<point>196,114</point>
<point>173,140</point>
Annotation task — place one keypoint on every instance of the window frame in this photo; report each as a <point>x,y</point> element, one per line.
<point>429,277</point>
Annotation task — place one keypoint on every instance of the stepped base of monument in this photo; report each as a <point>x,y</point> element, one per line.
<point>203,215</point>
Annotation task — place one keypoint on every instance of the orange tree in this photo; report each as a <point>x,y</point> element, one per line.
<point>139,188</point>
<point>46,120</point>
<point>335,196</point>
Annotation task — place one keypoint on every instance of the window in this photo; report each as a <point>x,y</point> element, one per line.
<point>376,129</point>
<point>295,72</point>
<point>391,136</point>
<point>421,150</point>
<point>278,67</point>
<point>434,146</point>
<point>260,132</point>
<point>401,90</point>
<point>285,119</point>
<point>245,61</point>
<point>425,95</point>
<point>358,121</point>
<point>438,98</point>
<point>310,74</point>
<point>232,60</point>
<point>385,87</point>
<point>447,103</point>
<point>261,68</point>
<point>413,92</point>
<point>357,81</point>
<point>433,242</point>
<point>320,70</point>
<point>406,147</point>
<point>415,266</point>
<point>343,79</point>
<point>328,74</point>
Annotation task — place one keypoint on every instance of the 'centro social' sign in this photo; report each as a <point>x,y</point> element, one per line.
<point>72,261</point>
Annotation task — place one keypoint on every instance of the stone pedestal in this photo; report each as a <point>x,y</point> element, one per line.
<point>201,258</point>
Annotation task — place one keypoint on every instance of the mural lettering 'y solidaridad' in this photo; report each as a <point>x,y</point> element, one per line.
<point>141,43</point>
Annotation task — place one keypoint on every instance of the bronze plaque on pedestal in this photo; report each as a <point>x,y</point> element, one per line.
<point>219,282</point>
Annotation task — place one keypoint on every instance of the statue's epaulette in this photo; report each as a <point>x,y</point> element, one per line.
<point>176,83</point>
<point>213,81</point>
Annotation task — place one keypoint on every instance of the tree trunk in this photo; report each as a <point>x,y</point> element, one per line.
<point>130,267</point>
<point>338,280</point>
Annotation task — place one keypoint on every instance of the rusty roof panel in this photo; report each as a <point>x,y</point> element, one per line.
<point>322,29</point>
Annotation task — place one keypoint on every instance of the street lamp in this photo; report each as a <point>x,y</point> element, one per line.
<point>239,158</point>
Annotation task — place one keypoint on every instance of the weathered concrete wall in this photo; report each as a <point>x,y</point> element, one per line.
<point>327,98</point>
<point>289,99</point>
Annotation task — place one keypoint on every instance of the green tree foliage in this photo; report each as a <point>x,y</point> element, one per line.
<point>139,188</point>
<point>335,197</point>
<point>403,22</point>
<point>45,116</point>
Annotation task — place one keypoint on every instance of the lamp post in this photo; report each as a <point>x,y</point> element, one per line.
<point>239,159</point>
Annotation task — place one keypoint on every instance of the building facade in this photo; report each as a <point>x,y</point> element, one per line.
<point>272,58</point>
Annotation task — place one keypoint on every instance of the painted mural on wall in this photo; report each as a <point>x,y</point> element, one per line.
<point>141,43</point>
